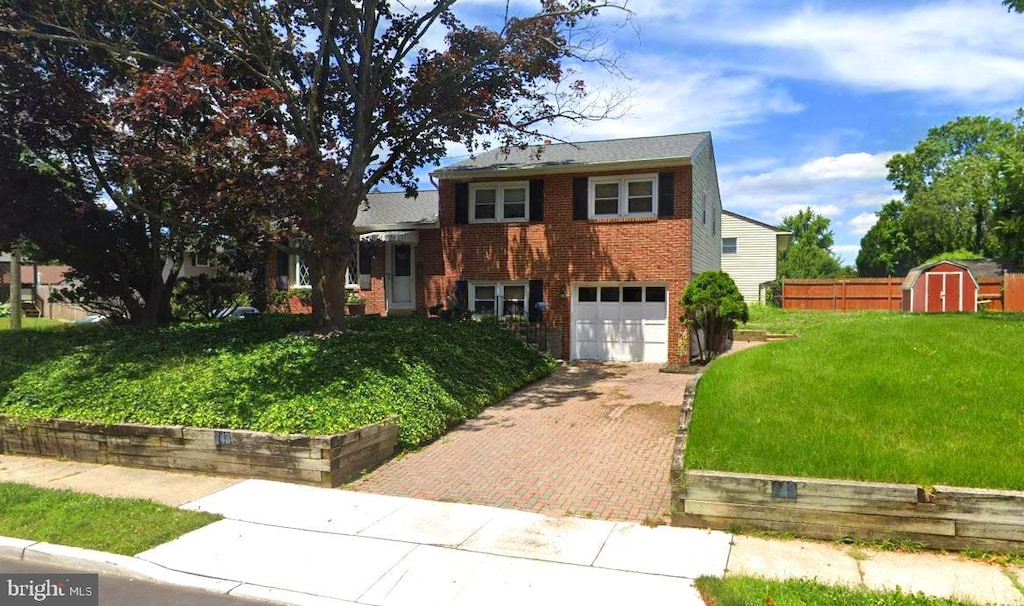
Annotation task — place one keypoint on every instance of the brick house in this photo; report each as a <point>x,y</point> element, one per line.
<point>605,235</point>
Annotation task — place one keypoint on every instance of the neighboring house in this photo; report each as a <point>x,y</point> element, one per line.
<point>399,237</point>
<point>598,238</point>
<point>750,253</point>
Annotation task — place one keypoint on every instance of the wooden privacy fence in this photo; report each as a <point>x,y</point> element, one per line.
<point>858,294</point>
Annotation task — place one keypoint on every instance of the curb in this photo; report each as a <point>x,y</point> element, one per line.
<point>102,562</point>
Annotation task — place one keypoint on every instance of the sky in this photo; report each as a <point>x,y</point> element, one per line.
<point>805,101</point>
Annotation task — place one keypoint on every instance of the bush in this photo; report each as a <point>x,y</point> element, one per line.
<point>204,295</point>
<point>712,306</point>
<point>5,310</point>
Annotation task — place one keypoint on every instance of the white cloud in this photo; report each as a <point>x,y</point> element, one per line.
<point>852,166</point>
<point>847,253</point>
<point>775,216</point>
<point>964,49</point>
<point>860,224</point>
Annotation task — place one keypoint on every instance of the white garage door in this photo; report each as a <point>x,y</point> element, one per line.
<point>626,322</point>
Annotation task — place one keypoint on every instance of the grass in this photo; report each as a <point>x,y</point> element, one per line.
<point>124,526</point>
<point>924,399</point>
<point>31,323</point>
<point>752,591</point>
<point>258,374</point>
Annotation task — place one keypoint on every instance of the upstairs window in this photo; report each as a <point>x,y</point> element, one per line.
<point>498,202</point>
<point>633,196</point>
<point>728,246</point>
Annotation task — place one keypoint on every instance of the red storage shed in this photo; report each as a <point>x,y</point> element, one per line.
<point>945,286</point>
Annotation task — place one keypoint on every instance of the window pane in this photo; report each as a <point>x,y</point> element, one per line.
<point>486,196</point>
<point>632,294</point>
<point>606,207</point>
<point>513,308</point>
<point>484,211</point>
<point>641,205</point>
<point>485,292</point>
<point>301,273</point>
<point>515,293</point>
<point>610,294</point>
<point>588,294</point>
<point>606,190</point>
<point>728,246</point>
<point>641,188</point>
<point>517,194</point>
<point>515,211</point>
<point>655,294</point>
<point>484,307</point>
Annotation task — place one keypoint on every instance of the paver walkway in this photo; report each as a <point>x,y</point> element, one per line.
<point>592,440</point>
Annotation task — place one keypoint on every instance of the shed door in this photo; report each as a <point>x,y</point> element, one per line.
<point>944,291</point>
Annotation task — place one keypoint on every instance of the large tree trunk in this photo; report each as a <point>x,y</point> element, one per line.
<point>327,272</point>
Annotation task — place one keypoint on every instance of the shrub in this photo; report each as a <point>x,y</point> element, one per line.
<point>204,295</point>
<point>5,310</point>
<point>712,306</point>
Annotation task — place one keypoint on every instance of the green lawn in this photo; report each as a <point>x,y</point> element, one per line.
<point>125,526</point>
<point>925,399</point>
<point>752,591</point>
<point>31,323</point>
<point>257,374</point>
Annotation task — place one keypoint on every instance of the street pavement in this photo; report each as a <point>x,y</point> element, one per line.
<point>119,590</point>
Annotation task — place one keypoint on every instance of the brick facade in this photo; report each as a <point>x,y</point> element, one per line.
<point>562,251</point>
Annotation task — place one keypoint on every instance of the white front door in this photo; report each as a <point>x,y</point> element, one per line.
<point>401,276</point>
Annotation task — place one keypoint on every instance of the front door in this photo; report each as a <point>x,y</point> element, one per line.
<point>400,266</point>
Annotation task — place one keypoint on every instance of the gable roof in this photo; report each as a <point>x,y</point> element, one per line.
<point>915,273</point>
<point>778,230</point>
<point>563,157</point>
<point>394,209</point>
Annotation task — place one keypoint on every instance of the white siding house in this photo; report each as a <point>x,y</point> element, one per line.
<point>750,253</point>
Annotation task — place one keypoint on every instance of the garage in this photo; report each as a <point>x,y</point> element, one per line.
<point>622,322</point>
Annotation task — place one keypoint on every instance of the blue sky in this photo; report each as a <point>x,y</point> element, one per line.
<point>806,101</point>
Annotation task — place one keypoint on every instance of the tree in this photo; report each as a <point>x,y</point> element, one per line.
<point>1014,5</point>
<point>809,254</point>
<point>364,95</point>
<point>886,250</point>
<point>712,306</point>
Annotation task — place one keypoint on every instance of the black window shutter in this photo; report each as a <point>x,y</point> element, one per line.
<point>365,258</point>
<point>667,195</point>
<point>579,198</point>
<point>462,294</point>
<point>536,199</point>
<point>536,293</point>
<point>283,261</point>
<point>461,203</point>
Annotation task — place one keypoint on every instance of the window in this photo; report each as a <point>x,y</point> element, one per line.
<point>610,294</point>
<point>200,260</point>
<point>728,246</point>
<point>625,293</point>
<point>632,294</point>
<point>500,299</point>
<point>588,294</point>
<point>300,273</point>
<point>498,202</point>
<point>655,294</point>
<point>633,196</point>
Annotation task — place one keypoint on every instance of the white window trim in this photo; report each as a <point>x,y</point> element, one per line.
<point>499,295</point>
<point>351,281</point>
<point>623,182</point>
<point>499,188</point>
<point>736,247</point>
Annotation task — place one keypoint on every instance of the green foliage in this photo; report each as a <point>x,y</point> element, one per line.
<point>124,526</point>
<point>712,306</point>
<point>304,295</point>
<point>5,310</point>
<point>886,250</point>
<point>809,254</point>
<point>354,298</point>
<point>262,376</point>
<point>954,255</point>
<point>754,591</point>
<point>204,295</point>
<point>872,396</point>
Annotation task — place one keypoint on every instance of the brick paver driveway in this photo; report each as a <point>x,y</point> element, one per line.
<point>591,440</point>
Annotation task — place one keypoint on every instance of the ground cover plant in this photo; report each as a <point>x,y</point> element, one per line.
<point>924,399</point>
<point>259,374</point>
<point>753,591</point>
<point>31,323</point>
<point>125,526</point>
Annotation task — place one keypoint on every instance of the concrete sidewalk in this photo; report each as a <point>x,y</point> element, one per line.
<point>306,545</point>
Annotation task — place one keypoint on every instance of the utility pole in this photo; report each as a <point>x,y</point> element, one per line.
<point>16,288</point>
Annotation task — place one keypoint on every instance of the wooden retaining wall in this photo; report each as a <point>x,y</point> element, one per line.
<point>317,460</point>
<point>943,518</point>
